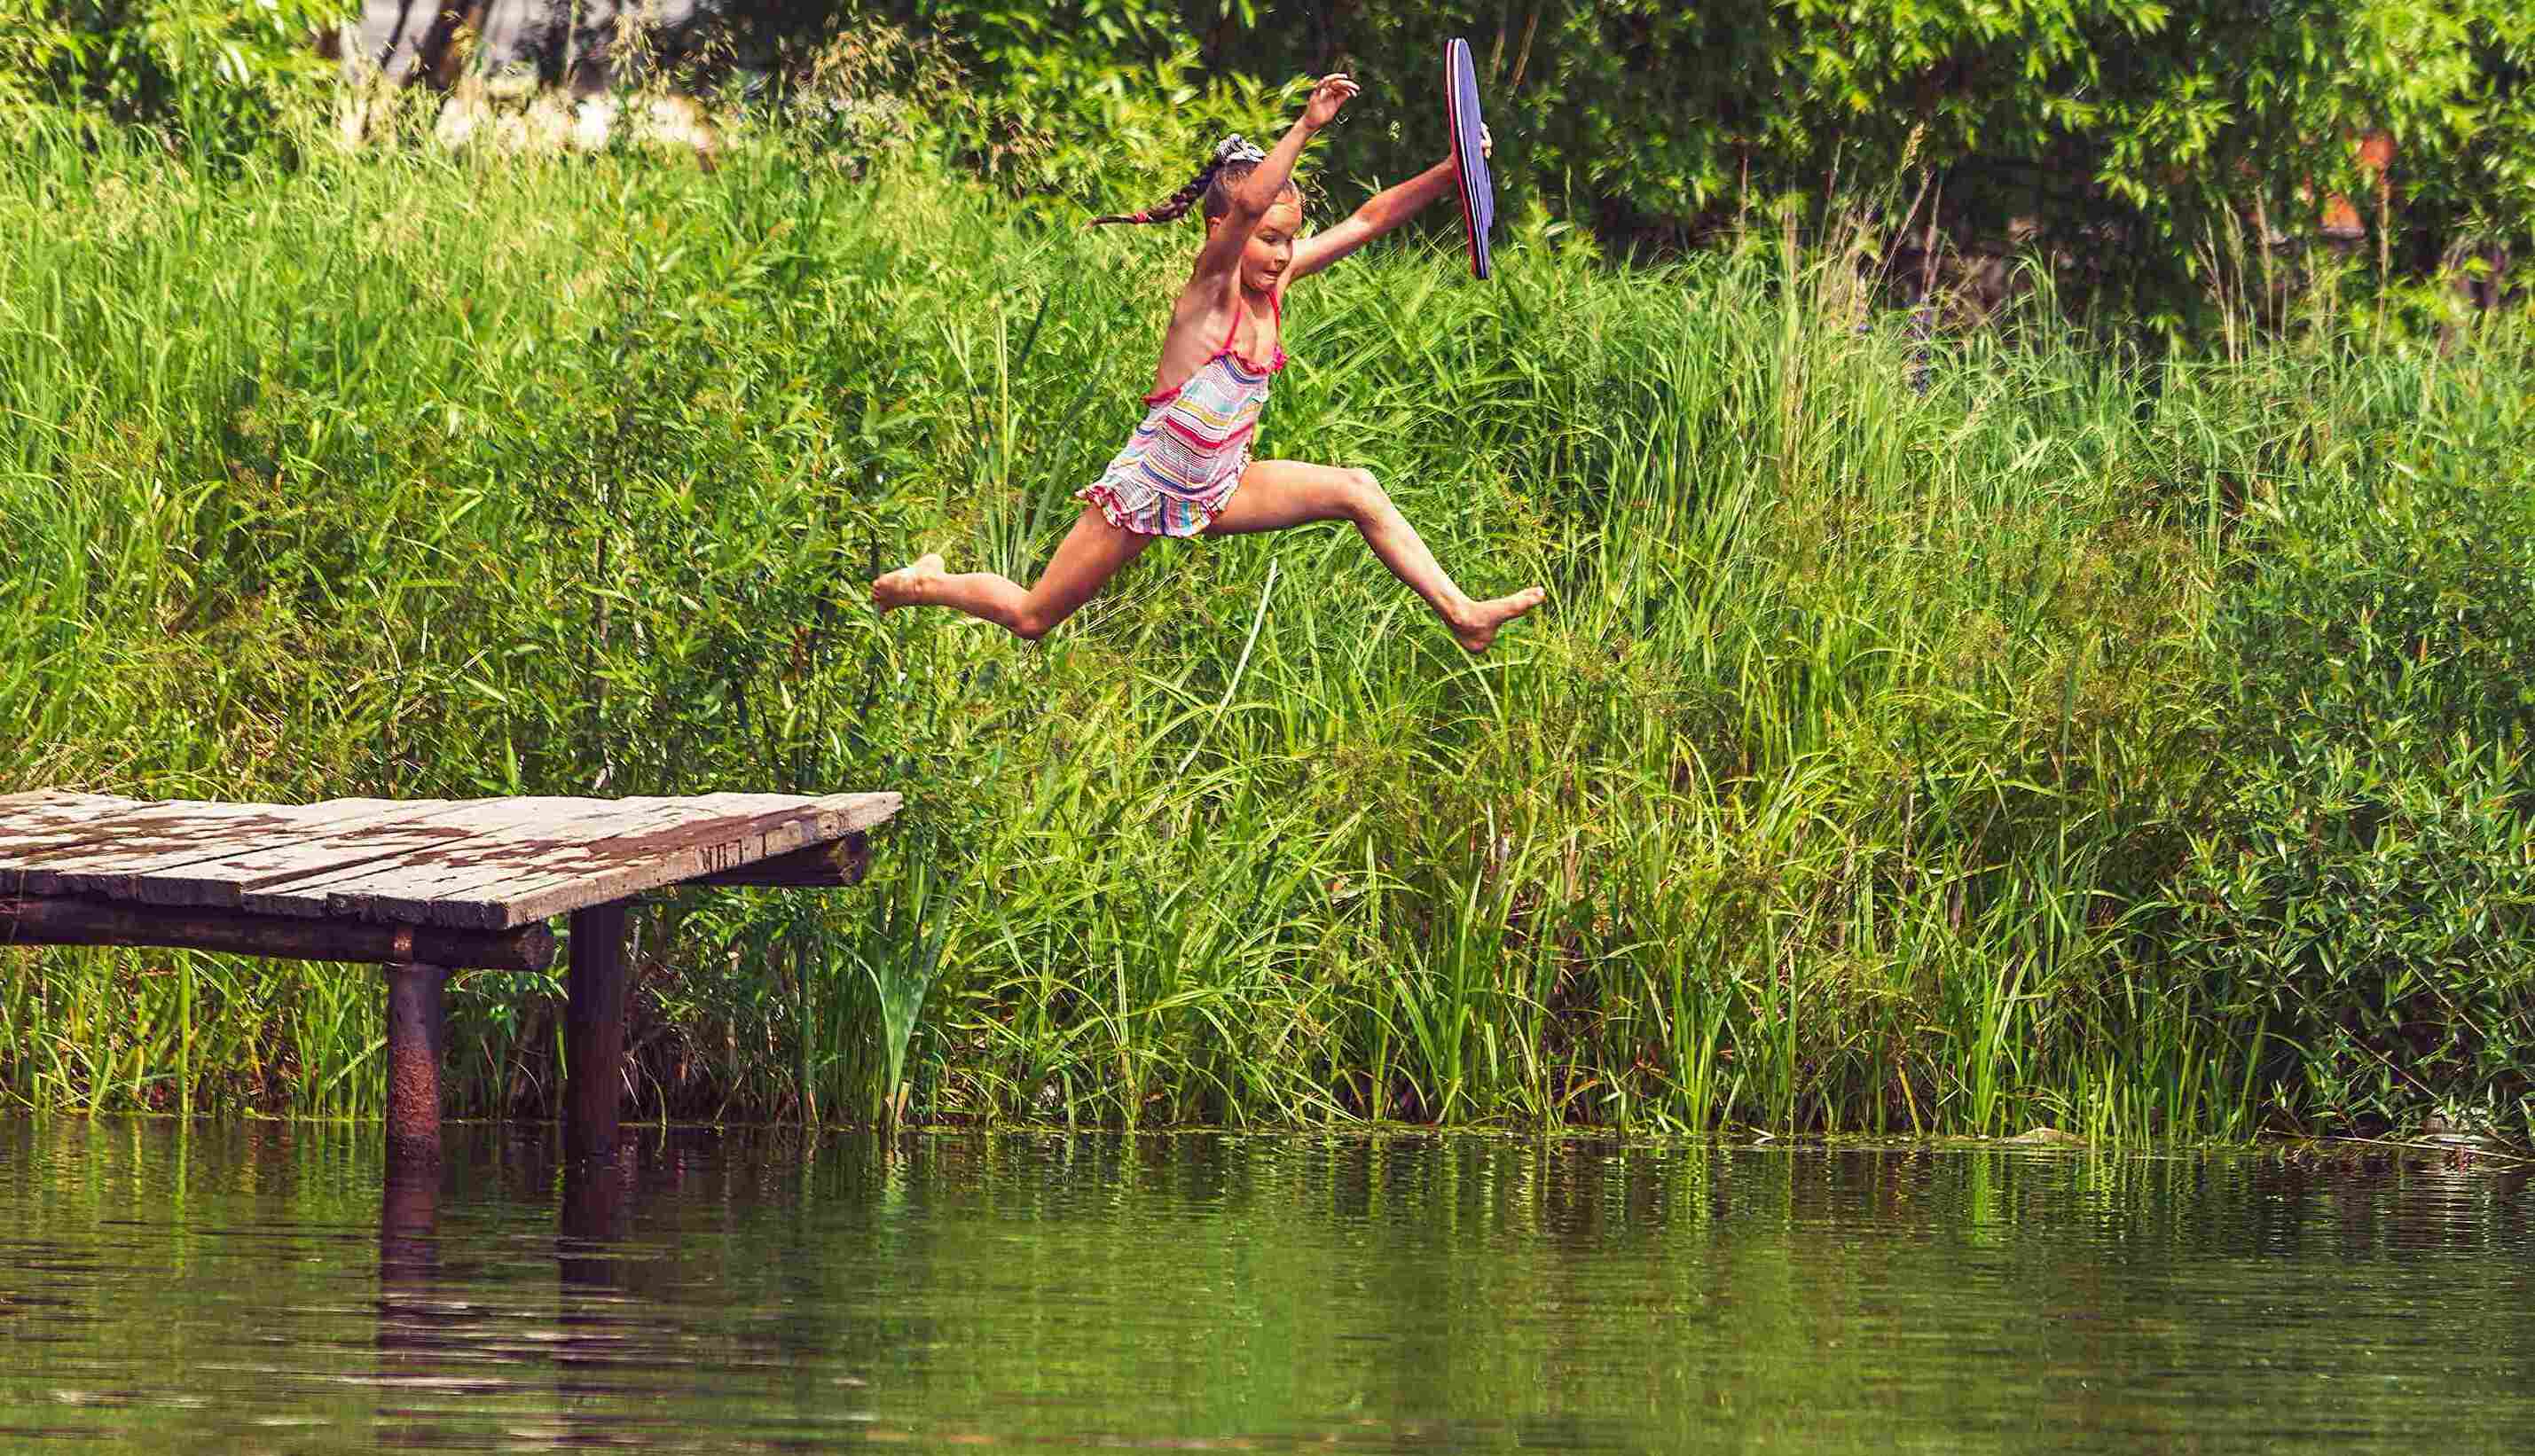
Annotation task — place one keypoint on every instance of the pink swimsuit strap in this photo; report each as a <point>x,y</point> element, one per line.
<point>1240,316</point>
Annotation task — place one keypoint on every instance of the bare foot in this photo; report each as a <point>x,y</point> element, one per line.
<point>906,586</point>
<point>1476,624</point>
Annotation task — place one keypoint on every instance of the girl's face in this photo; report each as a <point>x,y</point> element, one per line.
<point>1271,246</point>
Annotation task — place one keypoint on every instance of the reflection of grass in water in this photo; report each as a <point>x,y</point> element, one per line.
<point>1816,798</point>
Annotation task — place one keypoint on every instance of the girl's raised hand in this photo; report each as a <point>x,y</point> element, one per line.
<point>1333,92</point>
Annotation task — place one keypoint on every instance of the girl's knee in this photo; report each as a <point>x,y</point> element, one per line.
<point>1036,619</point>
<point>1365,497</point>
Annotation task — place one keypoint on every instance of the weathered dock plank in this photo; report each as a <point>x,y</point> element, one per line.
<point>190,877</point>
<point>675,856</point>
<point>524,833</point>
<point>466,830</point>
<point>30,829</point>
<point>514,883</point>
<point>165,837</point>
<point>298,884</point>
<point>44,813</point>
<point>227,878</point>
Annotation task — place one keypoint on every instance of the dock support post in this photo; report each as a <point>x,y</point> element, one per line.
<point>594,1032</point>
<point>414,1063</point>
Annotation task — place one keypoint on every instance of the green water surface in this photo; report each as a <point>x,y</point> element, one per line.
<point>267,1288</point>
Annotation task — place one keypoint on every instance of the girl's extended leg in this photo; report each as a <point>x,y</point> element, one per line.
<point>1092,552</point>
<point>1276,494</point>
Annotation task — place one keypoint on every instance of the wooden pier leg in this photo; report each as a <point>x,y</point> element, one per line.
<point>414,1063</point>
<point>594,1032</point>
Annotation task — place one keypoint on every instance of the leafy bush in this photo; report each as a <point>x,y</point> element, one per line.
<point>216,70</point>
<point>2131,139</point>
<point>1084,105</point>
<point>2138,134</point>
<point>2368,888</point>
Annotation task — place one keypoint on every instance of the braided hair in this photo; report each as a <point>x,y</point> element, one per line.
<point>1234,158</point>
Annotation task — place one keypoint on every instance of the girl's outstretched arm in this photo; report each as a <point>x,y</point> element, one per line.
<point>1258,191</point>
<point>1385,210</point>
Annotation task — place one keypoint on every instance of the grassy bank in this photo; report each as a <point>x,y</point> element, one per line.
<point>2127,743</point>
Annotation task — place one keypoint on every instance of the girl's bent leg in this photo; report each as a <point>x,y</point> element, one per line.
<point>1276,494</point>
<point>1092,552</point>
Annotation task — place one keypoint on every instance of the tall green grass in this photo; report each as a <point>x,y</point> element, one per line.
<point>1847,782</point>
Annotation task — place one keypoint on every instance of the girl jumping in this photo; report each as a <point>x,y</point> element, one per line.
<point>1187,470</point>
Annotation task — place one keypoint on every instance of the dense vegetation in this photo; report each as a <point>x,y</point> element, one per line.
<point>2134,743</point>
<point>2141,144</point>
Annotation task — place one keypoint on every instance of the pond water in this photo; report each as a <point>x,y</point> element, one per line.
<point>262,1287</point>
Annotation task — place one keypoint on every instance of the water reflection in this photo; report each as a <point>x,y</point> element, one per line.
<point>417,1330</point>
<point>272,1288</point>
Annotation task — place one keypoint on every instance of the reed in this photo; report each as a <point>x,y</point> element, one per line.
<point>1846,783</point>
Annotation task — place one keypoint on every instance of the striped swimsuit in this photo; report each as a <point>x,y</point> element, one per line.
<point>1187,458</point>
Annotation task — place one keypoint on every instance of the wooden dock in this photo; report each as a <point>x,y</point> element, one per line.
<point>419,886</point>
